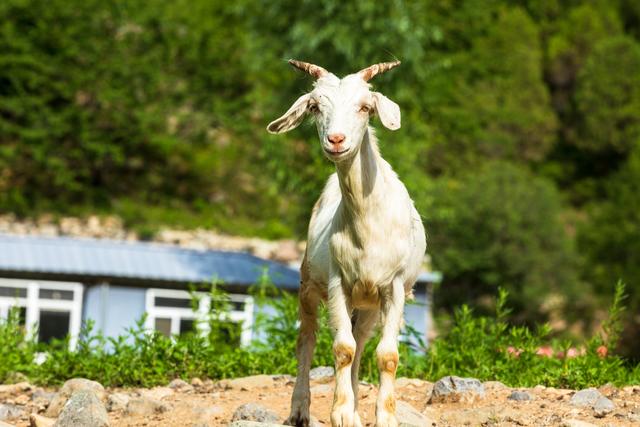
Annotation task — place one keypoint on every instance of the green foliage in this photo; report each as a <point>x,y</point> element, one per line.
<point>156,111</point>
<point>608,97</point>
<point>500,228</point>
<point>474,346</point>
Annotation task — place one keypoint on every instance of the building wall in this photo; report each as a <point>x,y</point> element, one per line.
<point>113,308</point>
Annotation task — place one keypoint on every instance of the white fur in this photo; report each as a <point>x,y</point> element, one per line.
<point>365,247</point>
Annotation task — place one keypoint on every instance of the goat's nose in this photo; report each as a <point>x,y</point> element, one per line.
<point>336,138</point>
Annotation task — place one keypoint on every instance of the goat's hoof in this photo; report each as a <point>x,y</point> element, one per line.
<point>343,416</point>
<point>298,418</point>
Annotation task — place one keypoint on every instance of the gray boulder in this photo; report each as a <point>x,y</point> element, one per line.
<point>254,412</point>
<point>602,407</point>
<point>520,396</point>
<point>586,397</point>
<point>408,416</point>
<point>321,372</point>
<point>146,406</point>
<point>83,409</point>
<point>70,387</point>
<point>8,411</point>
<point>455,389</point>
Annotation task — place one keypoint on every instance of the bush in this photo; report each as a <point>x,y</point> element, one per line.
<point>499,228</point>
<point>475,346</point>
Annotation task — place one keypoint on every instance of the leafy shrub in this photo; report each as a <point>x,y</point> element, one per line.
<point>475,346</point>
<point>499,228</point>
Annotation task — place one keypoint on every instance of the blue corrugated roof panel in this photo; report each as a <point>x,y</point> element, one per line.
<point>136,260</point>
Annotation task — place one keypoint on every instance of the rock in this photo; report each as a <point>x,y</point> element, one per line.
<point>16,377</point>
<point>321,372</point>
<point>15,388</point>
<point>254,412</point>
<point>180,385</point>
<point>586,397</point>
<point>42,396</point>
<point>36,420</point>
<point>408,416</point>
<point>8,411</point>
<point>244,423</point>
<point>3,424</point>
<point>322,389</point>
<point>197,382</point>
<point>520,395</point>
<point>146,406</point>
<point>84,408</point>
<point>455,389</point>
<point>70,387</point>
<point>248,383</point>
<point>602,407</point>
<point>208,412</point>
<point>576,423</point>
<point>157,393</point>
<point>117,402</point>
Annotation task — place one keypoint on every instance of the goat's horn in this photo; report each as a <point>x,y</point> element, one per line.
<point>312,69</point>
<point>369,72</point>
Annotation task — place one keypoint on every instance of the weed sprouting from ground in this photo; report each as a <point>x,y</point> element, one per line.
<point>488,348</point>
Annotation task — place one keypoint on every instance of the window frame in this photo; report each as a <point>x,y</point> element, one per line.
<point>175,314</point>
<point>34,304</point>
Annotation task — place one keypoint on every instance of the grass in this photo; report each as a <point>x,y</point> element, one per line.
<point>475,346</point>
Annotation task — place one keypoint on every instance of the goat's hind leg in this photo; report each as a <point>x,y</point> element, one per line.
<point>301,397</point>
<point>363,323</point>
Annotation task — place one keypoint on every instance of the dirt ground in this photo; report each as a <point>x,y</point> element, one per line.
<point>213,404</point>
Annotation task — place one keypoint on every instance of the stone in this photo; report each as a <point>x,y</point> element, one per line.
<point>586,397</point>
<point>321,372</point>
<point>254,412</point>
<point>158,393</point>
<point>70,387</point>
<point>602,407</point>
<point>180,385</point>
<point>43,396</point>
<point>197,382</point>
<point>520,396</point>
<point>36,420</point>
<point>146,406</point>
<point>15,378</point>
<point>576,423</point>
<point>3,424</point>
<point>15,388</point>
<point>455,389</point>
<point>208,412</point>
<point>248,383</point>
<point>8,411</point>
<point>84,408</point>
<point>117,402</point>
<point>408,416</point>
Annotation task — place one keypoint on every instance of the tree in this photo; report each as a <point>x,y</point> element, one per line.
<point>499,228</point>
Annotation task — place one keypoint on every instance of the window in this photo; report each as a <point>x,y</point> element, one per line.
<point>54,309</point>
<point>170,312</point>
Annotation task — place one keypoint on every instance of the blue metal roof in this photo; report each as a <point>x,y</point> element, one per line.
<point>109,259</point>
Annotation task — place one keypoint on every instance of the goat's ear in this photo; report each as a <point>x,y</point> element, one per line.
<point>292,118</point>
<point>388,111</point>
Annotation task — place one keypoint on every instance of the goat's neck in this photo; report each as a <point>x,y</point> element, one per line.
<point>361,178</point>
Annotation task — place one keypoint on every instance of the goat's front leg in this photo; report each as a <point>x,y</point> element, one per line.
<point>387,354</point>
<point>344,347</point>
<point>301,397</point>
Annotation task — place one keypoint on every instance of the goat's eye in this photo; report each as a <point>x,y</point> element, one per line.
<point>314,108</point>
<point>365,109</point>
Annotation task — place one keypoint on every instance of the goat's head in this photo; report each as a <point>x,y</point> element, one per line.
<point>341,108</point>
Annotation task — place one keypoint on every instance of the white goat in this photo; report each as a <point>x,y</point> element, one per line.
<point>365,245</point>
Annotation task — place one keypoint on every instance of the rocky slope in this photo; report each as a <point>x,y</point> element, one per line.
<point>450,401</point>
